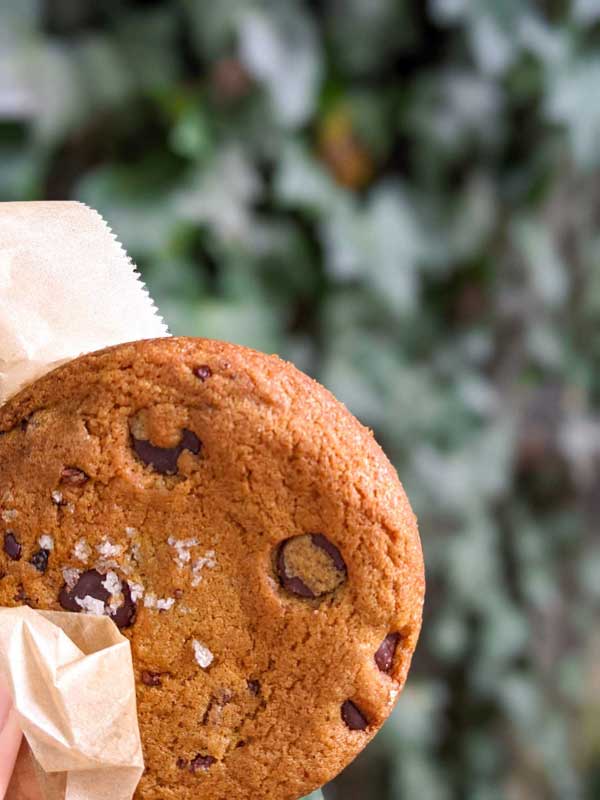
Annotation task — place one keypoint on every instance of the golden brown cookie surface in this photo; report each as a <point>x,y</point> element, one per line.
<point>245,532</point>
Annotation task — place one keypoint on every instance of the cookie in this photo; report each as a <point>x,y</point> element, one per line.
<point>246,534</point>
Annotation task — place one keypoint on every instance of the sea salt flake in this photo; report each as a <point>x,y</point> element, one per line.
<point>91,605</point>
<point>57,497</point>
<point>107,549</point>
<point>136,552</point>
<point>82,551</point>
<point>161,604</point>
<point>71,576</point>
<point>112,583</point>
<point>137,591</point>
<point>183,547</point>
<point>208,560</point>
<point>131,532</point>
<point>9,515</point>
<point>46,542</point>
<point>202,654</point>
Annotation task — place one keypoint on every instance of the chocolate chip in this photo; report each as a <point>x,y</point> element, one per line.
<point>90,584</point>
<point>323,543</point>
<point>317,578</point>
<point>125,615</point>
<point>253,687</point>
<point>384,657</point>
<point>21,595</point>
<point>353,716</point>
<point>73,476</point>
<point>164,459</point>
<point>40,560</point>
<point>293,584</point>
<point>178,594</point>
<point>204,372</point>
<point>182,763</point>
<point>201,763</point>
<point>12,548</point>
<point>151,678</point>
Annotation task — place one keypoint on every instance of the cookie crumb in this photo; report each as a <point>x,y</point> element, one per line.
<point>204,657</point>
<point>9,515</point>
<point>131,532</point>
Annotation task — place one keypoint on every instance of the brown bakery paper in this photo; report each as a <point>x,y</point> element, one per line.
<point>71,678</point>
<point>67,287</point>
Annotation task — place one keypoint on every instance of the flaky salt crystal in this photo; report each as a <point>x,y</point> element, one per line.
<point>202,654</point>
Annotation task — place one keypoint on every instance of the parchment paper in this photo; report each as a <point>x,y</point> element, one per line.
<point>67,287</point>
<point>71,678</point>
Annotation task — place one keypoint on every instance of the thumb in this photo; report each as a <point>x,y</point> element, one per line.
<point>10,739</point>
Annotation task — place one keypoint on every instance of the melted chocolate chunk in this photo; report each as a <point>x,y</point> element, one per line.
<point>204,372</point>
<point>164,459</point>
<point>88,585</point>
<point>12,548</point>
<point>125,615</point>
<point>151,678</point>
<point>91,584</point>
<point>323,543</point>
<point>353,716</point>
<point>201,763</point>
<point>40,560</point>
<point>384,657</point>
<point>293,585</point>
<point>73,476</point>
<point>253,687</point>
<point>299,586</point>
<point>182,763</point>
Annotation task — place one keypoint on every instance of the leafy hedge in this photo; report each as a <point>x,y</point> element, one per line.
<point>404,199</point>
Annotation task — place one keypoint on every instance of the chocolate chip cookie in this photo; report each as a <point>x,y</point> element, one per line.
<point>246,534</point>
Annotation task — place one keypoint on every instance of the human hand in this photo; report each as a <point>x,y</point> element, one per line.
<point>10,740</point>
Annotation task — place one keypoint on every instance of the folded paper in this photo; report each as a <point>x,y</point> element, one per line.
<point>71,678</point>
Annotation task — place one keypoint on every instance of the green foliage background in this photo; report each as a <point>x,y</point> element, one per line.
<point>403,198</point>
